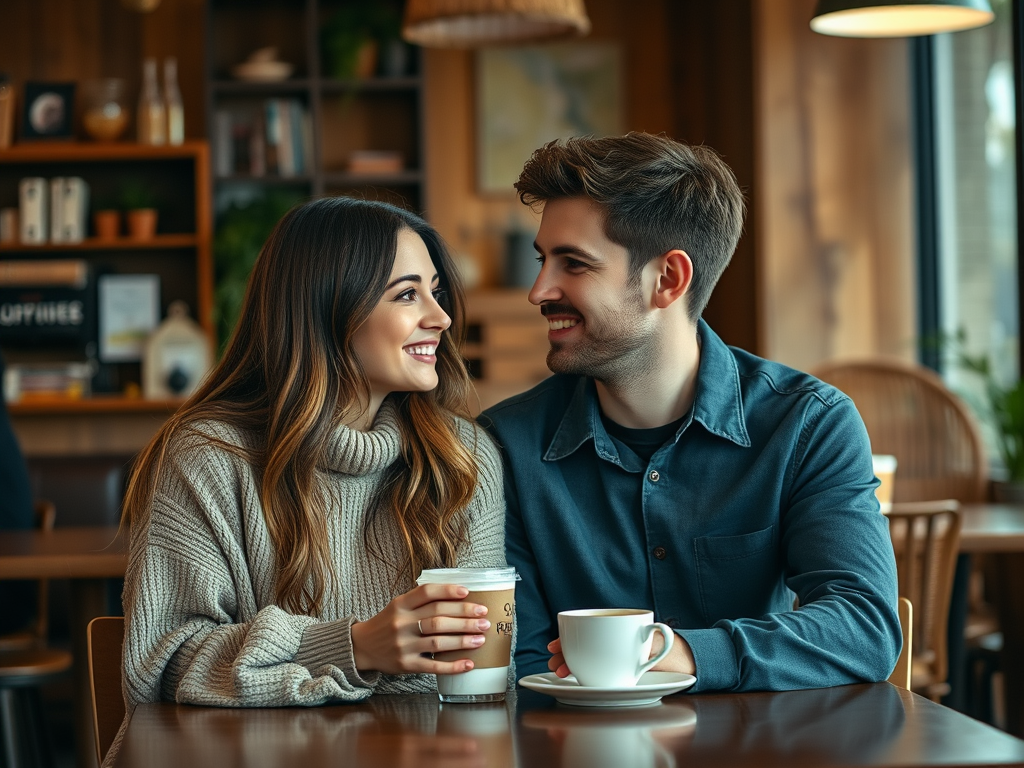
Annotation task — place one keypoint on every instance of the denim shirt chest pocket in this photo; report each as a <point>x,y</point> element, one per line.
<point>737,575</point>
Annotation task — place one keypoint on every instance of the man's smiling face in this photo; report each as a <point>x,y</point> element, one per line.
<point>598,323</point>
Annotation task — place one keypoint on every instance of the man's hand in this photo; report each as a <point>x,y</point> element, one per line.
<point>679,659</point>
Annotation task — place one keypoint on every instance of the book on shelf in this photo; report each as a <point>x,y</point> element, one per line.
<point>34,209</point>
<point>34,273</point>
<point>375,161</point>
<point>26,382</point>
<point>69,206</point>
<point>272,138</point>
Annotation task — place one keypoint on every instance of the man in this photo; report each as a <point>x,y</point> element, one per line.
<point>661,469</point>
<point>18,598</point>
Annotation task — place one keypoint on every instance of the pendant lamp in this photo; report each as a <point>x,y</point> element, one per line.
<point>898,18</point>
<point>480,23</point>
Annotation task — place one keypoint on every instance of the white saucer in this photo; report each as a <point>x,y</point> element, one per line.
<point>649,690</point>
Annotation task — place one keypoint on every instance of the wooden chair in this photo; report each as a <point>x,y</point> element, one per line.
<point>910,414</point>
<point>925,538</point>
<point>25,665</point>
<point>106,640</point>
<point>900,676</point>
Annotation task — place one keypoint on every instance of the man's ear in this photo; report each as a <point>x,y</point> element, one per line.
<point>674,277</point>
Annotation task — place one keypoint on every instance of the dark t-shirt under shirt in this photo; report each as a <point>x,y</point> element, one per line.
<point>643,442</point>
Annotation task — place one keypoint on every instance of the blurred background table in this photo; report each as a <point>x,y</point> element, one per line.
<point>88,557</point>
<point>997,530</point>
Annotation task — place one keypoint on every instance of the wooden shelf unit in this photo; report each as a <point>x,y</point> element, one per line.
<point>181,252</point>
<point>375,113</point>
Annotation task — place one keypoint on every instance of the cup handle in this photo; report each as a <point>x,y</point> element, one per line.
<point>669,636</point>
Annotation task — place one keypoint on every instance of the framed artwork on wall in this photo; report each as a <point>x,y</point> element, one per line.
<point>528,96</point>
<point>49,111</point>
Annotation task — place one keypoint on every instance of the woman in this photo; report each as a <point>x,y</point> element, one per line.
<point>279,519</point>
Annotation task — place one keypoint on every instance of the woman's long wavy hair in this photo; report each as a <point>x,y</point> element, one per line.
<point>289,377</point>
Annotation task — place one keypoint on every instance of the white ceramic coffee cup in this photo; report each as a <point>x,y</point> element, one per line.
<point>608,647</point>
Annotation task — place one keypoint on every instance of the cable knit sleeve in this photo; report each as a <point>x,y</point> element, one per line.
<point>202,627</point>
<point>486,539</point>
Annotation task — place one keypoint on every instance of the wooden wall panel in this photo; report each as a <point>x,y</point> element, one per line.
<point>474,224</point>
<point>835,197</point>
<point>713,104</point>
<point>77,40</point>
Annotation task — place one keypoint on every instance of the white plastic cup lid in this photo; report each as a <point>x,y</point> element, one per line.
<point>883,463</point>
<point>466,576</point>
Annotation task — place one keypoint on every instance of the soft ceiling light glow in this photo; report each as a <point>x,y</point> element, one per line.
<point>899,18</point>
<point>478,23</point>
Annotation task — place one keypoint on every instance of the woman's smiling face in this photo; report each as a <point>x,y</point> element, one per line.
<point>396,345</point>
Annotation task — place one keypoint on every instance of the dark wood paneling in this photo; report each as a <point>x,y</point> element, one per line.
<point>78,40</point>
<point>712,69</point>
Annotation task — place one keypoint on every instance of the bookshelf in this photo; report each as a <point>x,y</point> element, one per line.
<point>381,113</point>
<point>180,253</point>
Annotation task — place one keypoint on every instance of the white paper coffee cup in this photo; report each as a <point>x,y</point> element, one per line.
<point>488,680</point>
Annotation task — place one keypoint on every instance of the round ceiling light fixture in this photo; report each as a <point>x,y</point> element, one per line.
<point>898,18</point>
<point>482,23</point>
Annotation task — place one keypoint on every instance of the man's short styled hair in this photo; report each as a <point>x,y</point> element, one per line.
<point>658,194</point>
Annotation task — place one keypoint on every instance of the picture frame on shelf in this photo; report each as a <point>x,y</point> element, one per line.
<point>530,95</point>
<point>48,111</point>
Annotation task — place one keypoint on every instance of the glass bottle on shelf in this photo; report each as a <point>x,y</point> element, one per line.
<point>152,116</point>
<point>172,97</point>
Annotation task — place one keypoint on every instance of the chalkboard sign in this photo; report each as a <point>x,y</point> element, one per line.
<point>50,315</point>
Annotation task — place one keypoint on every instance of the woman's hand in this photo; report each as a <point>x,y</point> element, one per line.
<point>428,619</point>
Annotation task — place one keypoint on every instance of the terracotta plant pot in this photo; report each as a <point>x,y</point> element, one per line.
<point>107,224</point>
<point>142,223</point>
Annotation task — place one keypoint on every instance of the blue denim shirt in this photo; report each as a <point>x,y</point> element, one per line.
<point>765,491</point>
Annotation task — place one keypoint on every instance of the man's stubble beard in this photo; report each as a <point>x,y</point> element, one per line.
<point>609,356</point>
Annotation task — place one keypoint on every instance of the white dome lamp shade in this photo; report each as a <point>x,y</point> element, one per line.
<point>482,23</point>
<point>898,18</point>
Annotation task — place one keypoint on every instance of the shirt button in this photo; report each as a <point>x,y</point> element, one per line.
<point>660,552</point>
<point>671,623</point>
<point>654,476</point>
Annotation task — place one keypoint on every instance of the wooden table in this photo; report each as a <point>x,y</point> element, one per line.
<point>997,530</point>
<point>992,528</point>
<point>86,556</point>
<point>857,725</point>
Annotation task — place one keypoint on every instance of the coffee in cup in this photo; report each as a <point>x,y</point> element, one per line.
<point>884,467</point>
<point>608,647</point>
<point>495,588</point>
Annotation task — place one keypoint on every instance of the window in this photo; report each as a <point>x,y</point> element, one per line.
<point>974,286</point>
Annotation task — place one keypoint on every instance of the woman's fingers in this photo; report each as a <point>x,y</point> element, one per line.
<point>429,593</point>
<point>448,625</point>
<point>426,665</point>
<point>441,643</point>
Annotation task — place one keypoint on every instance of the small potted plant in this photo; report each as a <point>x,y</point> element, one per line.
<point>106,220</point>
<point>1004,411</point>
<point>351,38</point>
<point>139,203</point>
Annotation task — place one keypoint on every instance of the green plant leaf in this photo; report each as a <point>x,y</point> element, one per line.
<point>239,237</point>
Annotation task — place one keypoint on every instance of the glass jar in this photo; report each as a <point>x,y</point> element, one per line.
<point>105,116</point>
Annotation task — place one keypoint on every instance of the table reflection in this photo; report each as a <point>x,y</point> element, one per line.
<point>641,737</point>
<point>846,725</point>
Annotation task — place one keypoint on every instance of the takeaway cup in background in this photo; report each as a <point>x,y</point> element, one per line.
<point>608,647</point>
<point>495,588</point>
<point>885,470</point>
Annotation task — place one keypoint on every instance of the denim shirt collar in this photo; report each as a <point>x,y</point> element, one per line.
<point>717,405</point>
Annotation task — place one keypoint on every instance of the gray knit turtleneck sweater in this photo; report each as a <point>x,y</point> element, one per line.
<point>202,626</point>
